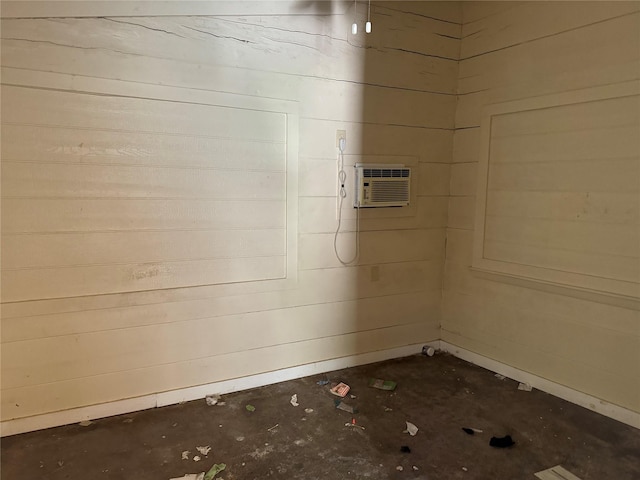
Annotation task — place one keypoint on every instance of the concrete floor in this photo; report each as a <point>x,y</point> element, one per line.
<point>439,394</point>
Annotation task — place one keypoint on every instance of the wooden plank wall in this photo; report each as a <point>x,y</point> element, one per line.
<point>523,50</point>
<point>392,91</point>
<point>59,153</point>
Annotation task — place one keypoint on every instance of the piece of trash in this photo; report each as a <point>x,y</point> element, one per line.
<point>60,463</point>
<point>477,430</point>
<point>502,442</point>
<point>387,409</point>
<point>499,376</point>
<point>204,450</point>
<point>353,425</point>
<point>415,469</point>
<point>411,429</point>
<point>212,399</point>
<point>382,384</point>
<point>275,426</point>
<point>213,471</point>
<point>555,473</point>
<point>468,430</point>
<point>322,382</point>
<point>340,405</point>
<point>429,351</point>
<point>308,410</point>
<point>250,408</point>
<point>240,439</point>
<point>197,458</point>
<point>85,423</point>
<point>185,455</point>
<point>399,468</point>
<point>294,400</point>
<point>190,476</point>
<point>465,469</point>
<point>524,386</point>
<point>340,389</point>
<point>405,449</point>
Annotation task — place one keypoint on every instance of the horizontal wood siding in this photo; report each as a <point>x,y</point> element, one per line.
<point>563,192</point>
<point>143,196</point>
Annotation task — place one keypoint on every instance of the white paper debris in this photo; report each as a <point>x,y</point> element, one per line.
<point>85,423</point>
<point>399,468</point>
<point>204,450</point>
<point>477,430</point>
<point>190,476</point>
<point>556,472</point>
<point>524,386</point>
<point>499,376</point>
<point>212,399</point>
<point>308,410</point>
<point>465,469</point>
<point>294,400</point>
<point>411,429</point>
<point>197,458</point>
<point>185,455</point>
<point>415,469</point>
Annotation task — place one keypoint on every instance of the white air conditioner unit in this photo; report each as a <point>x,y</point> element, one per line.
<point>382,185</point>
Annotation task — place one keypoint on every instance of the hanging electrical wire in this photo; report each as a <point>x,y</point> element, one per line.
<point>342,194</point>
<point>354,26</point>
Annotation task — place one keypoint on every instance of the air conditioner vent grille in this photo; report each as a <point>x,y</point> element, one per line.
<point>385,172</point>
<point>390,192</point>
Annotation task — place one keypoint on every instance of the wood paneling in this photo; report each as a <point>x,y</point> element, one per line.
<point>126,190</point>
<point>574,143</point>
<point>563,184</point>
<point>47,264</point>
<point>550,64</point>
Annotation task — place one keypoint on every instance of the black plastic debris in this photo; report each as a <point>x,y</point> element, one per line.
<point>502,442</point>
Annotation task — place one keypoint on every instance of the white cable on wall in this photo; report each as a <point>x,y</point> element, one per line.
<point>342,194</point>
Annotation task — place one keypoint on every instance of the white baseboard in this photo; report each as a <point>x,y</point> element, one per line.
<point>602,407</point>
<point>75,415</point>
<point>65,417</point>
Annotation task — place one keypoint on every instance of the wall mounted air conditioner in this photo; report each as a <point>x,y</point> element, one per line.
<point>382,185</point>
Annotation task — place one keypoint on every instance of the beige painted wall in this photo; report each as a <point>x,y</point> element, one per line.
<point>512,51</point>
<point>72,217</point>
<point>396,99</point>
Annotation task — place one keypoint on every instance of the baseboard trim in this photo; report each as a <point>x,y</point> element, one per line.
<point>93,412</point>
<point>589,402</point>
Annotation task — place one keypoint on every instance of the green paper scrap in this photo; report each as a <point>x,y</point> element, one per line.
<point>382,384</point>
<point>250,408</point>
<point>216,469</point>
